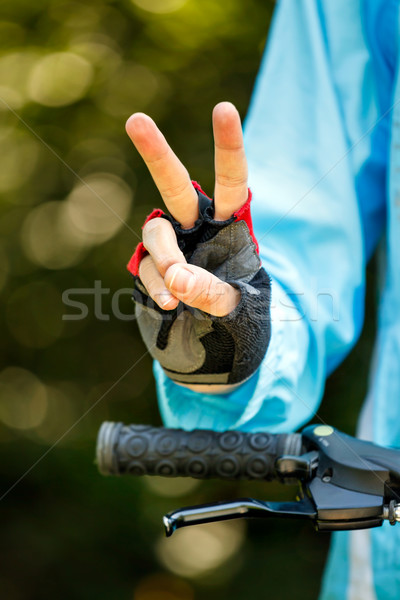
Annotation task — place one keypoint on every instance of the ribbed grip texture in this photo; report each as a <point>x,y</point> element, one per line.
<point>145,450</point>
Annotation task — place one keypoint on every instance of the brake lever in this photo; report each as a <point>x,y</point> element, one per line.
<point>344,484</point>
<point>236,509</point>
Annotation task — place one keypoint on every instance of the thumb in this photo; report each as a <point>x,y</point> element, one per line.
<point>201,289</point>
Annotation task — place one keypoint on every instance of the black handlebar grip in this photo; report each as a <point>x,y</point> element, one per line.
<point>146,450</point>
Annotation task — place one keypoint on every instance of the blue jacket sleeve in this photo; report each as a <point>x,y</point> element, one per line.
<point>317,168</point>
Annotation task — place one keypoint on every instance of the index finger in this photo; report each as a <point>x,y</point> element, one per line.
<point>169,174</point>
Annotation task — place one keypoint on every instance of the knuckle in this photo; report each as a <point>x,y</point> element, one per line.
<point>215,294</point>
<point>176,190</point>
<point>152,287</point>
<point>164,262</point>
<point>157,262</point>
<point>203,293</point>
<point>145,270</point>
<point>209,290</point>
<point>145,265</point>
<point>151,284</point>
<point>231,181</point>
<point>152,227</point>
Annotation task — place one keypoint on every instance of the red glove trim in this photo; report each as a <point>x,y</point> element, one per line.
<point>244,214</point>
<point>140,251</point>
<point>197,187</point>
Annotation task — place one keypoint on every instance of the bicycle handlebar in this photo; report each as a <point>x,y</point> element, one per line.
<point>145,450</point>
<point>344,483</point>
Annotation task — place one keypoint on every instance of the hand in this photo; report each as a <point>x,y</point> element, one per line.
<point>218,271</point>
<point>166,275</point>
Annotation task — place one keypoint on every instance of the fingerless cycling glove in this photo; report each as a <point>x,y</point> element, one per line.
<point>191,345</point>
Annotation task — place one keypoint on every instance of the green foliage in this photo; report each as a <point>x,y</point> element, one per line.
<point>73,196</point>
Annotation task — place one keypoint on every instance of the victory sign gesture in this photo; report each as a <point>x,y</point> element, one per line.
<point>202,295</point>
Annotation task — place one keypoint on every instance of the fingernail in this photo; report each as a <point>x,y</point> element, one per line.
<point>165,299</point>
<point>182,281</point>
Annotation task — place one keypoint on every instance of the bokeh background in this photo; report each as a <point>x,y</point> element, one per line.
<point>70,75</point>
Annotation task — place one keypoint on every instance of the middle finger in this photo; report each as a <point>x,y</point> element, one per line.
<point>230,161</point>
